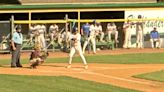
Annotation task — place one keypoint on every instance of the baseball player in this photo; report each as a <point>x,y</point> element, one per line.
<point>139,32</point>
<point>76,46</point>
<point>3,44</point>
<point>66,38</point>
<point>32,32</point>
<point>37,35</point>
<point>37,57</point>
<point>92,38</point>
<point>99,31</point>
<point>85,33</point>
<point>41,29</point>
<point>54,29</point>
<point>112,29</point>
<point>127,32</point>
<point>60,40</point>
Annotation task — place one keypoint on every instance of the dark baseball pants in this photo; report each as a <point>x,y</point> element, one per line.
<point>16,56</point>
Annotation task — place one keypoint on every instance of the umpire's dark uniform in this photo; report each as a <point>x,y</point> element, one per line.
<point>16,43</point>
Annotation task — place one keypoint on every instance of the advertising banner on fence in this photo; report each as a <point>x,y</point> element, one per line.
<point>148,24</point>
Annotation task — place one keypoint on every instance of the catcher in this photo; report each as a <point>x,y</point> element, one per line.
<point>37,57</point>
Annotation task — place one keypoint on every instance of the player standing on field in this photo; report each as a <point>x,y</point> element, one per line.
<point>76,46</point>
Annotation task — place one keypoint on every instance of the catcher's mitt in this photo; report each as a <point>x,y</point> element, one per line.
<point>44,55</point>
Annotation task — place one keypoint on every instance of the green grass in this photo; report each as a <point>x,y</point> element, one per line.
<point>151,58</point>
<point>155,76</point>
<point>17,83</point>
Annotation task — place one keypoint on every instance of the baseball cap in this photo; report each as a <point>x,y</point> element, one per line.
<point>139,16</point>
<point>94,21</point>
<point>75,29</point>
<point>155,28</point>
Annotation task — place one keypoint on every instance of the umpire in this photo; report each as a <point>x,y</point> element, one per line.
<point>16,42</point>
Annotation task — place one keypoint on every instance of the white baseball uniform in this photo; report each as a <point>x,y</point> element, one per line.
<point>112,29</point>
<point>66,38</point>
<point>41,40</point>
<point>91,38</point>
<point>127,32</point>
<point>139,34</point>
<point>32,30</point>
<point>99,31</point>
<point>76,46</point>
<point>54,29</point>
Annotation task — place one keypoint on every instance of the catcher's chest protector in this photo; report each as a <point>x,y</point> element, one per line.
<point>34,54</point>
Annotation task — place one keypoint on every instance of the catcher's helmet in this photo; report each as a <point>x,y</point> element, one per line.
<point>18,27</point>
<point>37,47</point>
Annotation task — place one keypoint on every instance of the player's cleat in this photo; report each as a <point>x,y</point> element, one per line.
<point>86,67</point>
<point>19,66</point>
<point>69,66</point>
<point>13,66</point>
<point>32,67</point>
<point>158,47</point>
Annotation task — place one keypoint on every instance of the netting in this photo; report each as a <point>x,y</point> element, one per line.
<point>5,28</point>
<point>57,44</point>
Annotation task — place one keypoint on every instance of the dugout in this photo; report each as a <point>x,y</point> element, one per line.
<point>53,13</point>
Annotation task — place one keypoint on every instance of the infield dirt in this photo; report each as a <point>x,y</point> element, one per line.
<point>115,74</point>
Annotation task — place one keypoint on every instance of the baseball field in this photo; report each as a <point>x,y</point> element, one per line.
<point>120,70</point>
